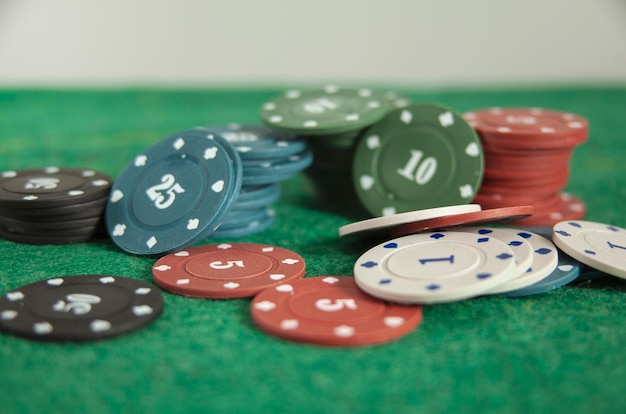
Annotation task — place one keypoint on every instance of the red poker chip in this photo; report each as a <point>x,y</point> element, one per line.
<point>522,181</point>
<point>500,142</point>
<point>331,310</point>
<point>477,217</point>
<point>542,191</point>
<point>538,160</point>
<point>487,201</point>
<point>570,208</point>
<point>497,150</point>
<point>223,271</point>
<point>514,174</point>
<point>529,126</point>
<point>539,186</point>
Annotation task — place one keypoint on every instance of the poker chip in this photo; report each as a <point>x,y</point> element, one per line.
<point>64,213</point>
<point>568,207</point>
<point>529,127</point>
<point>331,110</point>
<point>79,308</point>
<point>565,272</point>
<point>272,171</point>
<point>246,228</point>
<point>51,187</point>
<point>493,215</point>
<point>332,311</point>
<point>431,268</point>
<point>544,260</point>
<point>52,205</point>
<point>174,194</point>
<point>417,157</point>
<point>56,239</point>
<point>227,270</point>
<point>589,273</point>
<point>601,246</point>
<point>241,218</point>
<point>256,142</point>
<point>255,197</point>
<point>383,223</point>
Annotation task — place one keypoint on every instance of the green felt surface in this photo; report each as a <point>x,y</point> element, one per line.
<point>561,352</point>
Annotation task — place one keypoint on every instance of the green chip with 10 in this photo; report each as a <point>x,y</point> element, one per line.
<point>418,157</point>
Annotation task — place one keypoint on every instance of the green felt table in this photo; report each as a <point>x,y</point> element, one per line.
<point>559,352</point>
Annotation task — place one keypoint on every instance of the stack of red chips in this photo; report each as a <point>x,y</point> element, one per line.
<point>527,153</point>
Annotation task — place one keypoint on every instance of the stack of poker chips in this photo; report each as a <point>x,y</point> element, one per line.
<point>53,205</point>
<point>332,120</point>
<point>267,158</point>
<point>527,153</point>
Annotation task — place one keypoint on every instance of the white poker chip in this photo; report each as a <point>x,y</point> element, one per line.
<point>385,222</point>
<point>545,260</point>
<point>437,267</point>
<point>601,246</point>
<point>522,249</point>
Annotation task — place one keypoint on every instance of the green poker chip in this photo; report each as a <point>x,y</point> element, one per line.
<point>326,111</point>
<point>421,156</point>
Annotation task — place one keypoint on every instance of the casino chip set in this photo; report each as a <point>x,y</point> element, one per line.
<point>52,205</point>
<point>416,168</point>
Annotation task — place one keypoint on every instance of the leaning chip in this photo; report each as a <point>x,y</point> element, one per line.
<point>174,194</point>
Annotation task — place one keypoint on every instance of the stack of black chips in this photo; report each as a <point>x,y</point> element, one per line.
<point>53,205</point>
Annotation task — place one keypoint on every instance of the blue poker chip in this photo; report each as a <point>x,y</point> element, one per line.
<point>173,194</point>
<point>247,230</point>
<point>589,273</point>
<point>566,271</point>
<point>242,218</point>
<point>258,142</point>
<point>257,196</point>
<point>277,170</point>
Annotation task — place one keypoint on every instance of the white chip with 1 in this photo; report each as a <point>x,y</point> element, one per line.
<point>601,246</point>
<point>428,268</point>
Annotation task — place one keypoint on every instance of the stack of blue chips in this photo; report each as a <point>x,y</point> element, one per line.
<point>267,157</point>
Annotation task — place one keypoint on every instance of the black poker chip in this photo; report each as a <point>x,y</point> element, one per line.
<point>79,210</point>
<point>51,187</point>
<point>80,308</point>
<point>49,226</point>
<point>57,238</point>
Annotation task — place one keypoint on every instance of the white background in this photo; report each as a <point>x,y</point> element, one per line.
<point>278,42</point>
